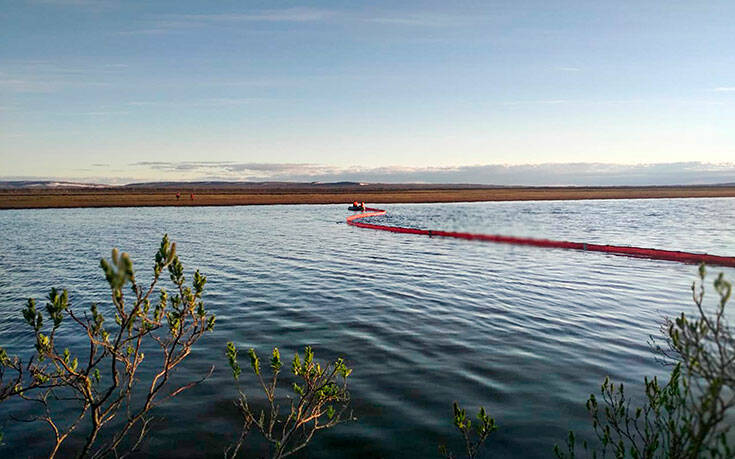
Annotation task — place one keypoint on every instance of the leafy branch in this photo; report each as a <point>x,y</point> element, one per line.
<point>320,401</point>
<point>485,426</point>
<point>686,417</point>
<point>103,382</point>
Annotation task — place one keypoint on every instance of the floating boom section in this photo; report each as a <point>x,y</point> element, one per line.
<point>656,254</point>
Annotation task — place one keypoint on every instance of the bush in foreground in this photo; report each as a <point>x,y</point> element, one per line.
<point>103,383</point>
<point>685,417</point>
<point>320,400</point>
<point>473,439</point>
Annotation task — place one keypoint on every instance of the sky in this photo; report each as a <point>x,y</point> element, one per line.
<point>507,92</point>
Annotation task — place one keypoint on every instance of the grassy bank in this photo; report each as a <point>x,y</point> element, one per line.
<point>213,196</point>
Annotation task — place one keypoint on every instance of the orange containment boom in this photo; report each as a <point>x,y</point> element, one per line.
<point>656,254</point>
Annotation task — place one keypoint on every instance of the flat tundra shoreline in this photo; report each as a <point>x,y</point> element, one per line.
<point>383,194</point>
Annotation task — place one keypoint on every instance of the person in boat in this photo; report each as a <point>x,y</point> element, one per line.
<point>357,206</point>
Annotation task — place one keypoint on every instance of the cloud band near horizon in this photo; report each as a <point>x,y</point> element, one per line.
<point>551,174</point>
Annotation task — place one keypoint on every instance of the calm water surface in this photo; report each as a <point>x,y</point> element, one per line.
<point>527,332</point>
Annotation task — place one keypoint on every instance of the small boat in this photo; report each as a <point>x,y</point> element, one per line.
<point>356,206</point>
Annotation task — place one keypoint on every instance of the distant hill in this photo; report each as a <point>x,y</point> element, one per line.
<point>296,186</point>
<point>239,185</point>
<point>201,186</point>
<point>36,184</point>
<point>275,187</point>
<point>53,184</point>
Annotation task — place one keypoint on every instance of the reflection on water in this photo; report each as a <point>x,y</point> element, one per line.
<point>527,332</point>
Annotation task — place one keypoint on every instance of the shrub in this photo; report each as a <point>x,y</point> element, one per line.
<point>686,417</point>
<point>484,428</point>
<point>104,382</point>
<point>320,400</point>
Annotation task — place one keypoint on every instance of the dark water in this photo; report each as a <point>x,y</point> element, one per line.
<point>526,332</point>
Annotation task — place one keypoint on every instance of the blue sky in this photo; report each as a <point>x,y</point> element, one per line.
<point>120,91</point>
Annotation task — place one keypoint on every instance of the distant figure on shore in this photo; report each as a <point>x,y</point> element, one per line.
<point>178,196</point>
<point>192,196</point>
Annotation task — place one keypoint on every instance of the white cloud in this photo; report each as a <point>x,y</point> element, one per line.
<point>422,20</point>
<point>725,89</point>
<point>553,174</point>
<point>182,22</point>
<point>70,2</point>
<point>210,102</point>
<point>281,15</point>
<point>100,113</point>
<point>89,5</point>
<point>25,85</point>
<point>41,76</point>
<point>535,102</point>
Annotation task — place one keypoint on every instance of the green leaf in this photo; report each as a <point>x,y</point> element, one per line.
<point>296,364</point>
<point>4,360</point>
<point>231,353</point>
<point>254,361</point>
<point>276,363</point>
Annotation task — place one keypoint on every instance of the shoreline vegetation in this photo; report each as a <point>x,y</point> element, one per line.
<point>269,194</point>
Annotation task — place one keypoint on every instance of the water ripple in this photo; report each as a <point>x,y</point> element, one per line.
<point>527,332</point>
